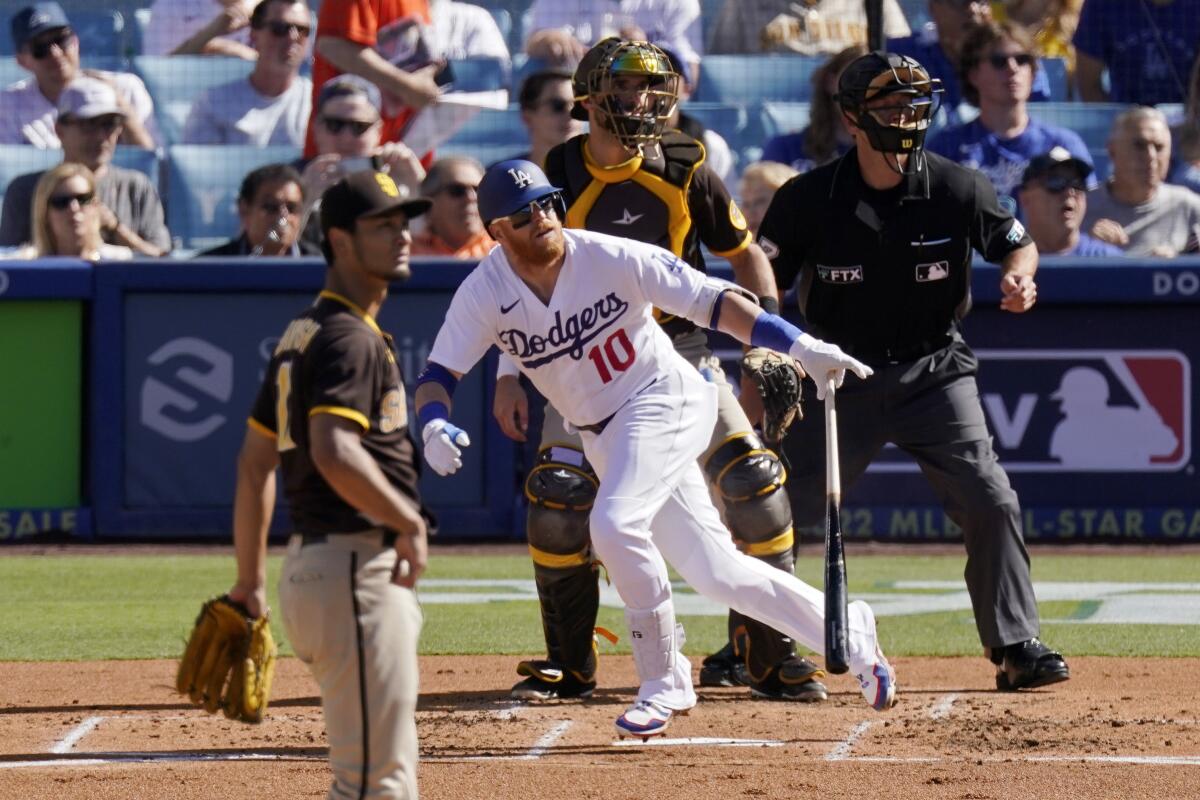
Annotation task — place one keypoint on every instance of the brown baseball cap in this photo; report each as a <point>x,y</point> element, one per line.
<point>366,194</point>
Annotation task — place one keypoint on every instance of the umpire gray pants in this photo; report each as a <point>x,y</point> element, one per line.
<point>930,409</point>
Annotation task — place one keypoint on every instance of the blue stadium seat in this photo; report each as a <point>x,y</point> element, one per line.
<point>1058,77</point>
<point>102,33</point>
<point>1092,121</point>
<point>202,187</point>
<point>780,118</point>
<point>484,153</point>
<point>504,22</point>
<point>731,121</point>
<point>710,10</point>
<point>174,83</point>
<point>749,79</point>
<point>17,159</point>
<point>492,127</point>
<point>480,74</point>
<point>141,159</point>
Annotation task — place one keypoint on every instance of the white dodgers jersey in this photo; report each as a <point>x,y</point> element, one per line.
<point>595,344</point>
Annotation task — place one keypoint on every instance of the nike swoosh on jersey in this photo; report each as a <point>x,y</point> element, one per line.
<point>627,218</point>
<point>510,306</point>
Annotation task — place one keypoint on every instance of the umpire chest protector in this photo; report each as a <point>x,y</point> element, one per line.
<point>645,198</point>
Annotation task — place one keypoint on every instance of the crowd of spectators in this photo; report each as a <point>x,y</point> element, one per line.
<point>343,85</point>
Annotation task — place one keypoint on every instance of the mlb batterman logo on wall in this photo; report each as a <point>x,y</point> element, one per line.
<point>177,398</point>
<point>1084,410</point>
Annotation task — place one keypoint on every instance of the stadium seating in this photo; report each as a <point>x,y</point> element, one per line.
<point>202,187</point>
<point>101,33</point>
<point>174,83</point>
<point>780,118</point>
<point>485,153</point>
<point>18,159</point>
<point>1092,121</point>
<point>750,79</point>
<point>1058,78</point>
<point>492,126</point>
<point>480,74</point>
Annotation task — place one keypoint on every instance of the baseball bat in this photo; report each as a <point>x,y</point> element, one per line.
<point>836,656</point>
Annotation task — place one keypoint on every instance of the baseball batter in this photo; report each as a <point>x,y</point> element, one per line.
<point>574,309</point>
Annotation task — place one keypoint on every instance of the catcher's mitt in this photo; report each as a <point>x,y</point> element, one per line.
<point>229,661</point>
<point>778,380</point>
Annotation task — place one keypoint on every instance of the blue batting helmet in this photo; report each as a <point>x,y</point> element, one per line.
<point>511,185</point>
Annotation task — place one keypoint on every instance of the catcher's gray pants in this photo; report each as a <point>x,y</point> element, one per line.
<point>357,632</point>
<point>930,409</point>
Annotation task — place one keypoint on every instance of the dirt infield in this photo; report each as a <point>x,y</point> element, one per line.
<point>1124,728</point>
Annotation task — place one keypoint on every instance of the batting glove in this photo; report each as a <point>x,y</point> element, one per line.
<point>820,358</point>
<point>441,451</point>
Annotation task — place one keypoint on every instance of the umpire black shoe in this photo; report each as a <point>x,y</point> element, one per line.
<point>1028,665</point>
<point>548,681</point>
<point>796,679</point>
<point>724,668</point>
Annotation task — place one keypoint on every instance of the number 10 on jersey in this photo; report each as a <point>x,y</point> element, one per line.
<point>606,355</point>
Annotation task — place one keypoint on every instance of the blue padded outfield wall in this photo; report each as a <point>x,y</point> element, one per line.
<point>173,353</point>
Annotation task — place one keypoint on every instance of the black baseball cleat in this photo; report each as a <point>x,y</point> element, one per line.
<point>546,681</point>
<point>723,668</point>
<point>1028,665</point>
<point>796,679</point>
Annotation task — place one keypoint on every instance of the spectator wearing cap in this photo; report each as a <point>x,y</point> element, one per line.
<point>716,149</point>
<point>271,105</point>
<point>270,207</point>
<point>464,30</point>
<point>48,47</point>
<point>453,226</point>
<point>545,100</point>
<point>89,124</point>
<point>938,47</point>
<point>815,27</point>
<point>997,69</point>
<point>347,126</point>
<point>1053,194</point>
<point>1135,210</point>
<point>197,27</point>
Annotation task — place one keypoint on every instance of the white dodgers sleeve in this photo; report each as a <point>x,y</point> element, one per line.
<point>671,284</point>
<point>465,335</point>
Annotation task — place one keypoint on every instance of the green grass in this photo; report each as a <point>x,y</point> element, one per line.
<point>94,607</point>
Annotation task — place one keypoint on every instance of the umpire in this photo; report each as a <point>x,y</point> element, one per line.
<point>881,242</point>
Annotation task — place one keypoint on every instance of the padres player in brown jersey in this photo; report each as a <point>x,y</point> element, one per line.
<point>332,413</point>
<point>628,178</point>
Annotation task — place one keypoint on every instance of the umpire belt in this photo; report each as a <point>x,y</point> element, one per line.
<point>386,538</point>
<point>902,354</point>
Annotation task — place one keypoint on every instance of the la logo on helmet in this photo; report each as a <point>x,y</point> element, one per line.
<point>520,177</point>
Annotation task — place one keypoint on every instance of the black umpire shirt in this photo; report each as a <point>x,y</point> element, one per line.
<point>334,359</point>
<point>886,275</point>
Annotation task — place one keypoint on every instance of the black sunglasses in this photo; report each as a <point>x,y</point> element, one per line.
<point>279,207</point>
<point>1060,183</point>
<point>557,105</point>
<point>282,29</point>
<point>105,124</point>
<point>1000,60</point>
<point>457,189</point>
<point>63,201</point>
<point>546,204</point>
<point>335,125</point>
<point>40,50</point>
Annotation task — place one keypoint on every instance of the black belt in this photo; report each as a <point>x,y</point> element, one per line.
<point>902,353</point>
<point>388,537</point>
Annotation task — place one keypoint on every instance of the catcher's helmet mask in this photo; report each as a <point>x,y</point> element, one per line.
<point>899,125</point>
<point>636,115</point>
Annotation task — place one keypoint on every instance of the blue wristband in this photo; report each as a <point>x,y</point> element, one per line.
<point>773,332</point>
<point>436,373</point>
<point>431,411</point>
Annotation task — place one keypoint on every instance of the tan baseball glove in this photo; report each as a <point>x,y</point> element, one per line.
<point>229,661</point>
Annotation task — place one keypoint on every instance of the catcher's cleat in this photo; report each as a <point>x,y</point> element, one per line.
<point>643,720</point>
<point>724,668</point>
<point>1028,665</point>
<point>796,679</point>
<point>546,681</point>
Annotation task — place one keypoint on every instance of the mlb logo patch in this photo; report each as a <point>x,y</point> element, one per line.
<point>935,271</point>
<point>852,274</point>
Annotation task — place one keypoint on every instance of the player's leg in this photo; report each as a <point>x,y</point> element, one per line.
<point>561,488</point>
<point>349,622</point>
<point>938,419</point>
<point>689,532</point>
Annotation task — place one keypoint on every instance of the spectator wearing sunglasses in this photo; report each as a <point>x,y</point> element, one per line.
<point>546,100</point>
<point>453,226</point>
<point>66,217</point>
<point>997,70</point>
<point>48,48</point>
<point>347,127</point>
<point>271,208</point>
<point>89,124</point>
<point>196,27</point>
<point>1053,194</point>
<point>271,105</point>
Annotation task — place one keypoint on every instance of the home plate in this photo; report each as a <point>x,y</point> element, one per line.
<point>700,741</point>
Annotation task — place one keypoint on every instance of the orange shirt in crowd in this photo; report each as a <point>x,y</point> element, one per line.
<point>428,243</point>
<point>359,21</point>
